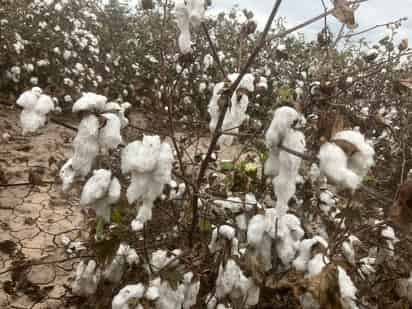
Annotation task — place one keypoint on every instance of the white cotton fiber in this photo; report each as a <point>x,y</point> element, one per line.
<point>110,136</point>
<point>86,145</point>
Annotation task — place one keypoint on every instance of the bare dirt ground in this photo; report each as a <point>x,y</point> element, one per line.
<point>34,216</point>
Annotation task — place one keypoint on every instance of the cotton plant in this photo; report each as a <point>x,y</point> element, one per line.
<point>188,12</point>
<point>125,255</point>
<point>236,114</point>
<point>232,283</point>
<point>100,192</point>
<point>150,164</point>
<point>281,165</point>
<point>346,169</point>
<point>36,107</point>
<point>87,279</point>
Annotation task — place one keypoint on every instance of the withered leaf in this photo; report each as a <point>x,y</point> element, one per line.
<point>349,148</point>
<point>345,13</point>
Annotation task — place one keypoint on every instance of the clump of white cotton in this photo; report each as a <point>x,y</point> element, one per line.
<point>188,12</point>
<point>36,106</point>
<point>305,252</point>
<point>67,175</point>
<point>87,279</point>
<point>86,145</point>
<point>232,282</point>
<point>222,235</point>
<point>283,166</point>
<point>150,164</point>
<point>128,293</point>
<point>236,114</point>
<point>346,170</point>
<point>348,249</point>
<point>347,290</point>
<point>284,230</point>
<point>124,255</point>
<point>91,102</point>
<point>100,192</point>
<point>109,135</point>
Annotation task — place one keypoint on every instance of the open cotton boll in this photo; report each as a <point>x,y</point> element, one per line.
<point>347,290</point>
<point>141,156</point>
<point>31,121</point>
<point>223,232</point>
<point>348,249</point>
<point>67,175</point>
<point>129,292</point>
<point>196,10</point>
<point>170,298</point>
<point>99,192</point>
<point>342,169</point>
<point>115,270</point>
<point>213,108</point>
<point>256,230</point>
<point>191,290</point>
<point>87,279</point>
<point>150,164</point>
<point>361,161</point>
<point>86,145</point>
<point>285,182</point>
<point>231,282</point>
<point>110,136</point>
<point>28,99</point>
<point>305,252</point>
<point>44,105</point>
<point>316,264</point>
<point>183,23</point>
<point>207,61</point>
<point>334,164</point>
<point>90,101</point>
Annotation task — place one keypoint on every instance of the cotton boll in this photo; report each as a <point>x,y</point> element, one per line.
<point>31,121</point>
<point>316,264</point>
<point>110,136</point>
<point>207,62</point>
<point>285,182</point>
<point>100,192</point>
<point>305,253</point>
<point>196,10</point>
<point>213,107</point>
<point>256,230</point>
<point>129,292</point>
<point>90,102</point>
<point>182,19</point>
<point>115,190</point>
<point>231,282</point>
<point>114,272</point>
<point>44,105</point>
<point>170,298</point>
<point>87,279</point>
<point>361,161</point>
<point>334,164</point>
<point>96,187</point>
<point>67,175</point>
<point>142,156</point>
<point>28,99</point>
<point>348,249</point>
<point>86,146</point>
<point>191,290</point>
<point>152,293</point>
<point>347,290</point>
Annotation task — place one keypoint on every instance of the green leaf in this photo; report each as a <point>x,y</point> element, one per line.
<point>227,166</point>
<point>205,225</point>
<point>116,216</point>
